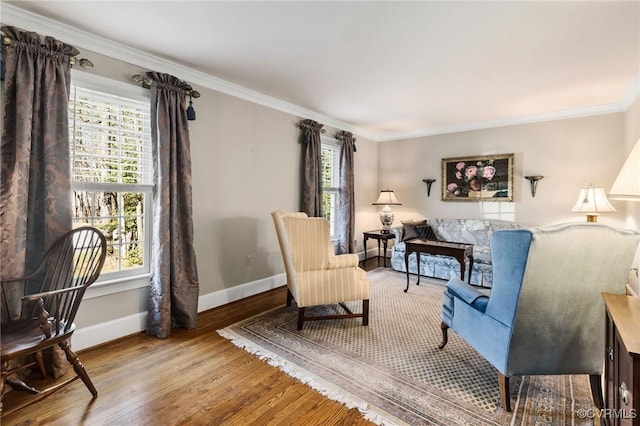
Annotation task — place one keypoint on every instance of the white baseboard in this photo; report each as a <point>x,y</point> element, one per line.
<point>93,335</point>
<point>222,297</point>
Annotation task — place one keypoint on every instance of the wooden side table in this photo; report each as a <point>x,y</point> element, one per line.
<point>380,236</point>
<point>622,360</point>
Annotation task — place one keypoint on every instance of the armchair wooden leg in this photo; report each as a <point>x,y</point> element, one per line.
<point>445,335</point>
<point>300,318</point>
<point>505,398</point>
<point>596,390</point>
<point>365,312</point>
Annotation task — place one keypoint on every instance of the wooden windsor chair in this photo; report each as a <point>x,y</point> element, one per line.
<point>46,318</point>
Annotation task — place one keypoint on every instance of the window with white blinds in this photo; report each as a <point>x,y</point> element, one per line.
<point>111,170</point>
<point>330,182</point>
<point>111,141</point>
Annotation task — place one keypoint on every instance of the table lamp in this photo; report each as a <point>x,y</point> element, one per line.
<point>626,187</point>
<point>386,199</point>
<point>592,201</point>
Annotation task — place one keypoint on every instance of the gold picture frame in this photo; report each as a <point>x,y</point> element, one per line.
<point>478,178</point>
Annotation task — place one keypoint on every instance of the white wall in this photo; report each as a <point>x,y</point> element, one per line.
<point>245,164</point>
<point>569,153</point>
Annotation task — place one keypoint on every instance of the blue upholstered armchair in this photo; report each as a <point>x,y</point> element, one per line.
<point>545,314</point>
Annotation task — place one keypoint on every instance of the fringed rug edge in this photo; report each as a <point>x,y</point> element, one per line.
<point>325,388</point>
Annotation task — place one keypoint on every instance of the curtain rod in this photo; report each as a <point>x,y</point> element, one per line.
<point>302,125</point>
<point>340,136</point>
<point>83,62</point>
<point>146,82</point>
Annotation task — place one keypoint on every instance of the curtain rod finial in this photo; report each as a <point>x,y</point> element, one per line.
<point>144,81</point>
<point>85,63</point>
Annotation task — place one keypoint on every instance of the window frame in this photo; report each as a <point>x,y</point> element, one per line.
<point>118,281</point>
<point>335,145</point>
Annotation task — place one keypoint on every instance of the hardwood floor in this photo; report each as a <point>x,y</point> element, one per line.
<point>193,377</point>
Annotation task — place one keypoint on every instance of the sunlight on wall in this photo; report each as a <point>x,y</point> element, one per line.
<point>498,210</point>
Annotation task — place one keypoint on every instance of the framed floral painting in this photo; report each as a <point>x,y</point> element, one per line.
<point>480,178</point>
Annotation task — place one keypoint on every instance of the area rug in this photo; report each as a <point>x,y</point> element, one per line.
<point>393,371</point>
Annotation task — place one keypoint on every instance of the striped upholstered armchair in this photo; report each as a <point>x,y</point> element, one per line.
<point>315,275</point>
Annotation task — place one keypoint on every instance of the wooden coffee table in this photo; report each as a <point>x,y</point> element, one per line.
<point>459,251</point>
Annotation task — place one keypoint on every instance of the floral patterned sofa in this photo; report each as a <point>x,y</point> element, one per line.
<point>474,231</point>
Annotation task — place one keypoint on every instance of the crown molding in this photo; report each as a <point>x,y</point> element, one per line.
<point>632,92</point>
<point>15,16</point>
<point>621,106</point>
<point>26,20</point>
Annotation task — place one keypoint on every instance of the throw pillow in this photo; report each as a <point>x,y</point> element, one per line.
<point>410,230</point>
<point>426,233</point>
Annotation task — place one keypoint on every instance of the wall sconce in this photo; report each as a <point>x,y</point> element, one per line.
<point>533,180</point>
<point>428,182</point>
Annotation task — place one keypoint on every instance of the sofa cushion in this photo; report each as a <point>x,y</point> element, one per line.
<point>410,230</point>
<point>426,233</point>
<point>482,254</point>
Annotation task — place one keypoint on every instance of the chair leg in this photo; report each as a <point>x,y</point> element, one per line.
<point>595,381</point>
<point>40,361</point>
<point>19,385</point>
<point>365,312</point>
<point>505,398</point>
<point>78,367</point>
<point>289,297</point>
<point>445,335</point>
<point>300,318</point>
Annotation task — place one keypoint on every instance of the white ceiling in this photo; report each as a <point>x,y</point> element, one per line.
<point>391,69</point>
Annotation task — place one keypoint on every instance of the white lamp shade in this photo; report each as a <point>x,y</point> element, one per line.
<point>592,201</point>
<point>387,198</point>
<point>627,184</point>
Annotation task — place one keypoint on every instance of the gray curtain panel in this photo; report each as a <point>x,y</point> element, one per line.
<point>346,207</point>
<point>173,295</point>
<point>311,191</point>
<point>35,196</point>
<point>35,191</point>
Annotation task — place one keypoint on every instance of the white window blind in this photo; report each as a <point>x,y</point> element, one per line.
<point>110,138</point>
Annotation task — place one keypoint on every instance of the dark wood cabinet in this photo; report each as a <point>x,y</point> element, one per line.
<point>622,363</point>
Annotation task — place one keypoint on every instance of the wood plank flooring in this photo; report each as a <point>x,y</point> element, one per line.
<point>194,377</point>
